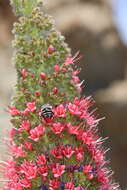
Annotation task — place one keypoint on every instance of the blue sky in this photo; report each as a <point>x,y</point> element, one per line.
<point>120,17</point>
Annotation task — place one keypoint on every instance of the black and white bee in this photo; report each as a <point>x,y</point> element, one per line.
<point>46,111</point>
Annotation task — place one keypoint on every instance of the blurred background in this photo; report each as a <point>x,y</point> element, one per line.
<point>98,28</point>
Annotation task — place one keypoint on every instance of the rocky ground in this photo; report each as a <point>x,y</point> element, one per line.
<point>88,27</point>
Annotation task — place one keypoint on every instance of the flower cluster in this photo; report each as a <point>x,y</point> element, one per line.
<point>54,141</point>
<point>77,150</point>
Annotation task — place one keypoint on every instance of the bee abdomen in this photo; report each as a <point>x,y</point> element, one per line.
<point>46,111</point>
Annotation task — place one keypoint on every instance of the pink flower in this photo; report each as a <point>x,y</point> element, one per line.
<point>57,68</point>
<point>97,155</point>
<point>25,182</point>
<point>17,151</point>
<point>25,112</point>
<point>25,125</point>
<point>90,176</point>
<point>41,159</point>
<point>37,132</point>
<point>75,79</point>
<point>78,188</point>
<point>29,169</point>
<point>79,153</point>
<point>69,186</point>
<point>69,61</point>
<point>72,129</point>
<point>76,101</point>
<point>60,111</point>
<point>43,170</point>
<point>11,170</point>
<point>76,72</point>
<point>54,183</point>
<point>72,60</point>
<point>13,132</point>
<point>14,186</point>
<point>74,109</point>
<point>31,106</point>
<point>57,128</point>
<point>67,151</point>
<point>57,152</point>
<point>87,169</point>
<point>13,110</point>
<point>58,170</point>
<point>102,177</point>
<point>87,138</point>
<point>28,145</point>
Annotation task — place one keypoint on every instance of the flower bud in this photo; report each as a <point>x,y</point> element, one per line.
<point>57,68</point>
<point>51,49</point>
<point>43,76</point>
<point>62,94</point>
<point>55,90</point>
<point>38,93</point>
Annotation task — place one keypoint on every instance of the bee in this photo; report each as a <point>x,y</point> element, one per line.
<point>46,112</point>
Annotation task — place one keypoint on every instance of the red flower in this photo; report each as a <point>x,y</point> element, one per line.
<point>41,159</point>
<point>11,170</point>
<point>43,170</point>
<point>29,169</point>
<point>101,176</point>
<point>76,101</point>
<point>58,170</point>
<point>69,186</point>
<point>57,152</point>
<point>87,138</point>
<point>57,128</point>
<point>74,109</point>
<point>31,106</point>
<point>25,182</point>
<point>37,132</point>
<point>79,153</point>
<point>54,183</point>
<point>67,151</point>
<point>13,110</point>
<point>17,151</point>
<point>25,125</point>
<point>97,155</point>
<point>28,145</point>
<point>72,129</point>
<point>60,111</point>
<point>87,169</point>
<point>14,186</point>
